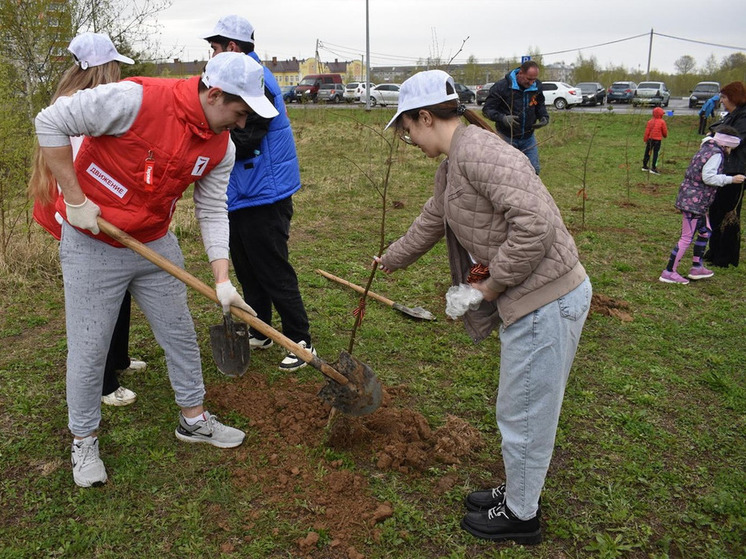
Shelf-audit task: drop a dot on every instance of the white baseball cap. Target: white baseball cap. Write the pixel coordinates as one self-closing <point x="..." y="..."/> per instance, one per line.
<point x="424" y="89"/>
<point x="239" y="74"/>
<point x="95" y="49"/>
<point x="233" y="27"/>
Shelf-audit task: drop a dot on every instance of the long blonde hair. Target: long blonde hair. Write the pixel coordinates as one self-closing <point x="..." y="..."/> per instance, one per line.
<point x="42" y="184"/>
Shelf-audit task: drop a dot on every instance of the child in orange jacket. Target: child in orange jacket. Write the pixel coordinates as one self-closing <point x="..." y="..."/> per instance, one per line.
<point x="655" y="131"/>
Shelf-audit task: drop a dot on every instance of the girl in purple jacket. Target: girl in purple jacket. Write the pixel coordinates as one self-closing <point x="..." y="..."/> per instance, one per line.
<point x="702" y="179"/>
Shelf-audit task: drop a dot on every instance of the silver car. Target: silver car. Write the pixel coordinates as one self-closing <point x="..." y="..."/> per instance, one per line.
<point x="385" y="94"/>
<point x="651" y="93"/>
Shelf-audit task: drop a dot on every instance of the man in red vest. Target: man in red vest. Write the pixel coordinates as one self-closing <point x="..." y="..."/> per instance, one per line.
<point x="147" y="140"/>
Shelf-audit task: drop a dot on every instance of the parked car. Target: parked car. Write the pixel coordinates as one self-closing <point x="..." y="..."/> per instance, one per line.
<point x="330" y="93"/>
<point x="651" y="93"/>
<point x="621" y="92"/>
<point x="702" y="92"/>
<point x="593" y="93"/>
<point x="561" y="94"/>
<point x="482" y="92"/>
<point x="288" y="93"/>
<point x="385" y="94"/>
<point x="360" y="91"/>
<point x="349" y="94"/>
<point x="465" y="95"/>
<point x="308" y="87"/>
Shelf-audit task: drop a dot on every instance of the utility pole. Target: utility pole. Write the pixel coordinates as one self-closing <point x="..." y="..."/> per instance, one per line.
<point x="318" y="62"/>
<point x="367" y="58"/>
<point x="650" y="54"/>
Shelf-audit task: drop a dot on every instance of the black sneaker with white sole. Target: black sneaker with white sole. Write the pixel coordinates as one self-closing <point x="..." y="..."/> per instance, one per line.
<point x="292" y="362"/>
<point x="479" y="501"/>
<point x="256" y="342"/>
<point x="499" y="523"/>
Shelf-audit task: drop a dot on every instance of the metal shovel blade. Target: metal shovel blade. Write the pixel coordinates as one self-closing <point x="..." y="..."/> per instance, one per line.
<point x="230" y="346"/>
<point x="362" y="395"/>
<point x="416" y="312"/>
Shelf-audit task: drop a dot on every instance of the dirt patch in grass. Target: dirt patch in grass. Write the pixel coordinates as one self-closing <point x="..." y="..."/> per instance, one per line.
<point x="285" y="456"/>
<point x="608" y="306"/>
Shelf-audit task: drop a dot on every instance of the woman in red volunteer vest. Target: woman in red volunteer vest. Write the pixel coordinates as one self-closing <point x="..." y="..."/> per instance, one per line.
<point x="147" y="140"/>
<point x="96" y="62"/>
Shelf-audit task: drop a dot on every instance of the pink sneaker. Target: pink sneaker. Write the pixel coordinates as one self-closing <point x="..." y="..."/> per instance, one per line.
<point x="672" y="277"/>
<point x="699" y="272"/>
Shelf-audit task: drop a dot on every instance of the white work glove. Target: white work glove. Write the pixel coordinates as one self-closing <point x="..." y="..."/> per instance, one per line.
<point x="83" y="216"/>
<point x="510" y="120"/>
<point x="227" y="295"/>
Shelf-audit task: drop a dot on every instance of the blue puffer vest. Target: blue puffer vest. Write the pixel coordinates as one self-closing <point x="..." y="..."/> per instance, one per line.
<point x="694" y="195"/>
<point x="273" y="174"/>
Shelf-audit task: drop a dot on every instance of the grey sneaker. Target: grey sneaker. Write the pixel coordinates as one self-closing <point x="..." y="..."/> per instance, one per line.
<point x="292" y="362"/>
<point x="88" y="468"/>
<point x="209" y="431"/>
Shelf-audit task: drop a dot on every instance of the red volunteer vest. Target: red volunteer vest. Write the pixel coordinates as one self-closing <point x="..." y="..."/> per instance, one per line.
<point x="137" y="178"/>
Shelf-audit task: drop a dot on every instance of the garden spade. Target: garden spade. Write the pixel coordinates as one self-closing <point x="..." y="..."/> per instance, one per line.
<point x="352" y="386"/>
<point x="230" y="346"/>
<point x="416" y="312"/>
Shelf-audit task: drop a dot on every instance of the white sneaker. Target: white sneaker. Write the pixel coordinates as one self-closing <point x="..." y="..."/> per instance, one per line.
<point x="88" y="468"/>
<point x="256" y="343"/>
<point x="120" y="397"/>
<point x="136" y="366"/>
<point x="292" y="362"/>
<point x="209" y="431"/>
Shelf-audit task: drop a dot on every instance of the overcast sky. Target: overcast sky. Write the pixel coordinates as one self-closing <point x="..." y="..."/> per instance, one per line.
<point x="403" y="31"/>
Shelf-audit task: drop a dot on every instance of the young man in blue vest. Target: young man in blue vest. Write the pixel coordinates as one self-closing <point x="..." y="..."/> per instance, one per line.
<point x="260" y="204"/>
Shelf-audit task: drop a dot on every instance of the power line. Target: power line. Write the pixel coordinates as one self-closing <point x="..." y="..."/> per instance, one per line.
<point x="594" y="46"/>
<point x="700" y="42"/>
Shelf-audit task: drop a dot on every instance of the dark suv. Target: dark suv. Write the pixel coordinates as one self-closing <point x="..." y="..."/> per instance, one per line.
<point x="465" y="95"/>
<point x="593" y="93"/>
<point x="330" y="93"/>
<point x="621" y="92"/>
<point x="702" y="92"/>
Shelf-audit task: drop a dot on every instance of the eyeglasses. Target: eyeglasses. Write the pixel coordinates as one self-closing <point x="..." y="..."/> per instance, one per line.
<point x="404" y="137"/>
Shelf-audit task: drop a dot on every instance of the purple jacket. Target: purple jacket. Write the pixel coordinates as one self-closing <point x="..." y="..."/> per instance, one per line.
<point x="694" y="195"/>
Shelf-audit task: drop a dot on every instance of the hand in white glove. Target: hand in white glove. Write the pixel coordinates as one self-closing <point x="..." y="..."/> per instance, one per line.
<point x="83" y="216"/>
<point x="227" y="295"/>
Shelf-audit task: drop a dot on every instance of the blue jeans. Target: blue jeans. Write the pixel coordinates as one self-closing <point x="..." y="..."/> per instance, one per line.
<point x="528" y="147"/>
<point x="536" y="355"/>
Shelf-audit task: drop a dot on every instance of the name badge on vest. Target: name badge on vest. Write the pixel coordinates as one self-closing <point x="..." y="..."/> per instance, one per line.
<point x="112" y="185"/>
<point x="200" y="166"/>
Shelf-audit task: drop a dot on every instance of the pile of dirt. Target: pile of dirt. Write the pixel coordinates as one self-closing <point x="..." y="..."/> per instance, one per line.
<point x="290" y="424"/>
<point x="608" y="306"/>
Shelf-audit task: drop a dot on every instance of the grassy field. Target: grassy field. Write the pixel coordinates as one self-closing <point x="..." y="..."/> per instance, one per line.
<point x="651" y="447"/>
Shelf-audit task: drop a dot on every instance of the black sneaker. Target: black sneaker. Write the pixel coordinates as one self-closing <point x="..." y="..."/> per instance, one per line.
<point x="499" y="523"/>
<point x="292" y="362"/>
<point x="479" y="501"/>
<point x="258" y="343"/>
<point x="655" y="171"/>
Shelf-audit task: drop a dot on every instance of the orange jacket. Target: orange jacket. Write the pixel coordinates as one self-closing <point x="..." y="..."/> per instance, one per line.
<point x="656" y="128"/>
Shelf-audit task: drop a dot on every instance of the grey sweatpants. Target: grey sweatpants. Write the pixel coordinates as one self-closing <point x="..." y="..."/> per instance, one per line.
<point x="96" y="276"/>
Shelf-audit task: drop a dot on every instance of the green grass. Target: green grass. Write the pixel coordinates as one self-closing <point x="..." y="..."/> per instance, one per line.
<point x="650" y="453"/>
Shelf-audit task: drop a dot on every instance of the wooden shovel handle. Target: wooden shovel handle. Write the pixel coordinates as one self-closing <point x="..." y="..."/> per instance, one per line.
<point x="357" y="288"/>
<point x="181" y="274"/>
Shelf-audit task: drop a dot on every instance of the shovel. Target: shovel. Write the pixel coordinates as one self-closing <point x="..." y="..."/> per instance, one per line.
<point x="416" y="312"/>
<point x="230" y="346"/>
<point x="352" y="386"/>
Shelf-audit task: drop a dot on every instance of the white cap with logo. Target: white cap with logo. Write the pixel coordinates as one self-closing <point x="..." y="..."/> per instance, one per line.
<point x="95" y="49"/>
<point x="424" y="89"/>
<point x="233" y="27"/>
<point x="239" y="74"/>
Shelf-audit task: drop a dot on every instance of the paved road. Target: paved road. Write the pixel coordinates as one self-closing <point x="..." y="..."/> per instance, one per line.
<point x="677" y="104"/>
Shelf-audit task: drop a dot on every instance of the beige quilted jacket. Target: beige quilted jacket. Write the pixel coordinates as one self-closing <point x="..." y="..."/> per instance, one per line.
<point x="490" y="204"/>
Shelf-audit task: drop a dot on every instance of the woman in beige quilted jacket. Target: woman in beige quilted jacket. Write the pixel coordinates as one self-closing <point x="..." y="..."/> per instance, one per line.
<point x="496" y="214"/>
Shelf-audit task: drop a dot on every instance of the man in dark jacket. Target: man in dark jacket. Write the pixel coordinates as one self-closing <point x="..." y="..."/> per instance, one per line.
<point x="260" y="205"/>
<point x="516" y="104"/>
